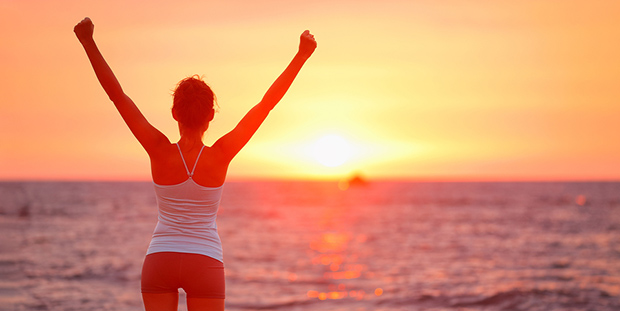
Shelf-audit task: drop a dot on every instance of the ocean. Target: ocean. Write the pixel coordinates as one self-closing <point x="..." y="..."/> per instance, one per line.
<point x="311" y="246"/>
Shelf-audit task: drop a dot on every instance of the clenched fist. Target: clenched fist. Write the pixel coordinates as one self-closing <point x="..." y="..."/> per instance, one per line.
<point x="84" y="29"/>
<point x="307" y="44"/>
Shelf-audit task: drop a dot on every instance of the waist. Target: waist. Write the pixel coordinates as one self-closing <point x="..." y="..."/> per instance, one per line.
<point x="198" y="229"/>
<point x="168" y="223"/>
<point x="205" y="241"/>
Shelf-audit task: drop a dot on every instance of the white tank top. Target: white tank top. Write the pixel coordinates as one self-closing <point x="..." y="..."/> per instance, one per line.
<point x="187" y="214"/>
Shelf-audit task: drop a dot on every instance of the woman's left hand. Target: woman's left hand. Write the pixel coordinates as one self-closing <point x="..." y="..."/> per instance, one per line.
<point x="307" y="44"/>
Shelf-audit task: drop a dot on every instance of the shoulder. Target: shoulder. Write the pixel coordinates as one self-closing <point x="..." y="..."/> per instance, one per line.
<point x="163" y="151"/>
<point x="217" y="153"/>
<point x="211" y="168"/>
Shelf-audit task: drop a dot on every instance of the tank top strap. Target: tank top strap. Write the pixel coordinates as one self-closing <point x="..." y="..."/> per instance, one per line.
<point x="196" y="163"/>
<point x="183" y="159"/>
<point x="190" y="174"/>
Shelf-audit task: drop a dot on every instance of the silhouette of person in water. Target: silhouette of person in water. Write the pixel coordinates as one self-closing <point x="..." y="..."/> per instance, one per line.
<point x="185" y="250"/>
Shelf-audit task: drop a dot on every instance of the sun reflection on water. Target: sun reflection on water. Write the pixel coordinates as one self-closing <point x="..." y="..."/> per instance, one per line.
<point x="331" y="250"/>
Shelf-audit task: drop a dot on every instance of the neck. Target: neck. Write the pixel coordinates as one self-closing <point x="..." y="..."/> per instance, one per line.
<point x="190" y="138"/>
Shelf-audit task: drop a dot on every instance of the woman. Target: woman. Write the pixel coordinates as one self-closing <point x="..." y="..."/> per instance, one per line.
<point x="185" y="250"/>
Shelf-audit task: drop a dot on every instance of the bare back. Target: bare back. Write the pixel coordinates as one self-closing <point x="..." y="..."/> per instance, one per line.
<point x="167" y="166"/>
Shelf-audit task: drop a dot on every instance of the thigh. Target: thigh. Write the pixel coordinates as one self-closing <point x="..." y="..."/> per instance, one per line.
<point x="160" y="273"/>
<point x="199" y="304"/>
<point x="160" y="302"/>
<point x="202" y="277"/>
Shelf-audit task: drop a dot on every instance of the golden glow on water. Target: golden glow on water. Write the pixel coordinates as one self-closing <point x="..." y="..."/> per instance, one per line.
<point x="333" y="250"/>
<point x="581" y="200"/>
<point x="352" y="274"/>
<point x="359" y="294"/>
<point x="332" y="241"/>
<point x="379" y="291"/>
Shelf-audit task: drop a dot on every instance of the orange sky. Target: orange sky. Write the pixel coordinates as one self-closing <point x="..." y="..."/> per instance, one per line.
<point x="497" y="90"/>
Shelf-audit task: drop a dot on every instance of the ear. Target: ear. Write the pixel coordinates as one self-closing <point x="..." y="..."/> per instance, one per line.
<point x="174" y="115"/>
<point x="211" y="115"/>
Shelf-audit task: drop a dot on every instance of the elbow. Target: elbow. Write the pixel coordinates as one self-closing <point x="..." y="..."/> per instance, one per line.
<point x="266" y="105"/>
<point x="116" y="96"/>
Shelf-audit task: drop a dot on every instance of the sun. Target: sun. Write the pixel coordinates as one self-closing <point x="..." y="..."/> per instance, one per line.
<point x="332" y="150"/>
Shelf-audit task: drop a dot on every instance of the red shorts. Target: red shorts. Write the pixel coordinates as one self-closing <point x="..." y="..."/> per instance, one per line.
<point x="200" y="276"/>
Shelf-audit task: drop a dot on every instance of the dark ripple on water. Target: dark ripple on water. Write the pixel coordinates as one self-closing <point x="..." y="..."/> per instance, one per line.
<point x="309" y="246"/>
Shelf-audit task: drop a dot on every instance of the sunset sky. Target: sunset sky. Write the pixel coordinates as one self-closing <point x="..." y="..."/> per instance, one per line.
<point x="440" y="90"/>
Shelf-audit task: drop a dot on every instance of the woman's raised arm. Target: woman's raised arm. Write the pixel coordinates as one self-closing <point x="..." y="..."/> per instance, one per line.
<point x="231" y="143"/>
<point x="149" y="137"/>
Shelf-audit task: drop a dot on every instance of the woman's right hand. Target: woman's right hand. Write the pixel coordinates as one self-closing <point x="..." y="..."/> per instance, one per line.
<point x="307" y="44"/>
<point x="84" y="29"/>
